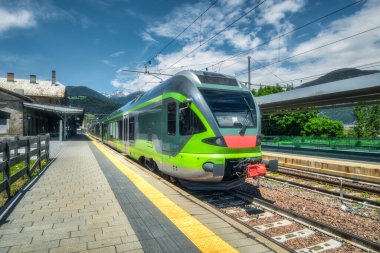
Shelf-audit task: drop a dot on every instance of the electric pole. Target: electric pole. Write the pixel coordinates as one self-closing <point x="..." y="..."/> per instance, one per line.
<point x="249" y="73"/>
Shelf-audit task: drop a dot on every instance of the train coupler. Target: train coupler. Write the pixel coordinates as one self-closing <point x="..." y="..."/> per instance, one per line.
<point x="253" y="167"/>
<point x="256" y="170"/>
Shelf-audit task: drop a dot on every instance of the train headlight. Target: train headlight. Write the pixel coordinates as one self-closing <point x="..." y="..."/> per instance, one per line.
<point x="258" y="141"/>
<point x="216" y="141"/>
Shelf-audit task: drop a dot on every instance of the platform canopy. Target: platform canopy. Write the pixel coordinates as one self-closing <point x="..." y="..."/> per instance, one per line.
<point x="68" y="114"/>
<point x="343" y="93"/>
<point x="59" y="109"/>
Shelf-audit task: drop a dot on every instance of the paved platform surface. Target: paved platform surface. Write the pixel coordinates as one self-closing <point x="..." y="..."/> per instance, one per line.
<point x="84" y="203"/>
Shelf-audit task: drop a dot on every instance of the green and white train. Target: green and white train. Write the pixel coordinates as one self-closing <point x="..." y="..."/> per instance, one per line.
<point x="201" y="128"/>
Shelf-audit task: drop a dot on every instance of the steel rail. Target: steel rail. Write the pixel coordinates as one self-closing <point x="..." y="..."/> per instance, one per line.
<point x="315" y="177"/>
<point x="245" y="225"/>
<point x="346" y="196"/>
<point x="347" y="236"/>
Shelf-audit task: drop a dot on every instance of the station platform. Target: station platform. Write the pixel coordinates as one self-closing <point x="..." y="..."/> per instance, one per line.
<point x="343" y="167"/>
<point x="92" y="199"/>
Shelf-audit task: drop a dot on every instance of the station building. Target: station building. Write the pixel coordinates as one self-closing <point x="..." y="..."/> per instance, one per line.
<point x="32" y="106"/>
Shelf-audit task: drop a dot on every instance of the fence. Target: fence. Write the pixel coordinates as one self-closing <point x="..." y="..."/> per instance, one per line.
<point x="21" y="150"/>
<point x="298" y="142"/>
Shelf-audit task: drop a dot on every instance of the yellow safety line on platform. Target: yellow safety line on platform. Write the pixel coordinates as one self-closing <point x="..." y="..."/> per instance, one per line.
<point x="199" y="234"/>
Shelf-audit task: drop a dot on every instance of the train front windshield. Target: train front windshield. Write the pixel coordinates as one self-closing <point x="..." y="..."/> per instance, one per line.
<point x="231" y="109"/>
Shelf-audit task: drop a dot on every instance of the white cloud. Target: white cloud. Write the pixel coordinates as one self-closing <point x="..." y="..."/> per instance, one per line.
<point x="248" y="34"/>
<point x="147" y="37"/>
<point x="117" y="54"/>
<point x="108" y="63"/>
<point x="16" y="19"/>
<point x="27" y="14"/>
<point x="352" y="52"/>
<point x="274" y="12"/>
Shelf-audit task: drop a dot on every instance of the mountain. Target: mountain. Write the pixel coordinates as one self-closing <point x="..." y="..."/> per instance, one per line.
<point x="339" y="74"/>
<point x="125" y="99"/>
<point x="345" y="115"/>
<point x="122" y="96"/>
<point x="92" y="101"/>
<point x="116" y="93"/>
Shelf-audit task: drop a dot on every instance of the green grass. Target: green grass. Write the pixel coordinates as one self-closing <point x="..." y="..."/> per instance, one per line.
<point x="274" y="174"/>
<point x="364" y="194"/>
<point x="15" y="168"/>
<point x="17" y="185"/>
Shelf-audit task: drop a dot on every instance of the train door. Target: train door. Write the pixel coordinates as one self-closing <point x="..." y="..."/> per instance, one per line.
<point x="125" y="136"/>
<point x="170" y="135"/>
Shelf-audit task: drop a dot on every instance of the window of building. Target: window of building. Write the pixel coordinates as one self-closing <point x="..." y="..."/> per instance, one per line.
<point x="172" y="111"/>
<point x="189" y="123"/>
<point x="3" y="118"/>
<point x="132" y="128"/>
<point x="3" y="121"/>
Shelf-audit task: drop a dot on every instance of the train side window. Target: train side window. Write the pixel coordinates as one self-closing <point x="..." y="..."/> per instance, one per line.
<point x="125" y="128"/>
<point x="172" y="122"/>
<point x="189" y="123"/>
<point x="120" y="123"/>
<point x="132" y="128"/>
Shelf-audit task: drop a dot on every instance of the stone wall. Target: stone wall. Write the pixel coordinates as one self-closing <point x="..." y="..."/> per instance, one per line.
<point x="13" y="106"/>
<point x="48" y="100"/>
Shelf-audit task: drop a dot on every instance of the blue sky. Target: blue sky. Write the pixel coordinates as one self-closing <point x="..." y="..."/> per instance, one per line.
<point x="90" y="42"/>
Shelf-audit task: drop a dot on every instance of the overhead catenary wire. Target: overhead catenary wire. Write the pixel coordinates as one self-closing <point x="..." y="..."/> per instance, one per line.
<point x="183" y="31"/>
<point x="362" y="66"/>
<point x="240" y="54"/>
<point x="216" y="63"/>
<point x="289" y="32"/>
<point x="313" y="49"/>
<point x="219" y="32"/>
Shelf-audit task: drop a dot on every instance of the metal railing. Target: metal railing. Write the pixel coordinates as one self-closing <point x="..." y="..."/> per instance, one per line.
<point x="320" y="143"/>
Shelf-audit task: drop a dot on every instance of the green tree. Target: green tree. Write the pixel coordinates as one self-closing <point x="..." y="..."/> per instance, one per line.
<point x="267" y="90"/>
<point x="282" y="124"/>
<point x="323" y="127"/>
<point x="290" y="124"/>
<point x="367" y="121"/>
<point x="297" y="123"/>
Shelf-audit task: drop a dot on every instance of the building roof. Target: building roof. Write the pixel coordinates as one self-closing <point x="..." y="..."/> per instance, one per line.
<point x="68" y="110"/>
<point x="40" y="89"/>
<point x="333" y="94"/>
<point x="14" y="94"/>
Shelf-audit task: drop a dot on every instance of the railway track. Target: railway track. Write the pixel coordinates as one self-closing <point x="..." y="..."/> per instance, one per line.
<point x="289" y="229"/>
<point x="330" y="192"/>
<point x="332" y="180"/>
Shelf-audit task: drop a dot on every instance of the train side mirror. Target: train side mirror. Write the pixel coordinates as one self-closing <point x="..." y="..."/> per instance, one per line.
<point x="185" y="104"/>
<point x="188" y="101"/>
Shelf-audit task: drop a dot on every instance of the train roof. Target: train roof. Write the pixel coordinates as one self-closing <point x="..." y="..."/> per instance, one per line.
<point x="195" y="77"/>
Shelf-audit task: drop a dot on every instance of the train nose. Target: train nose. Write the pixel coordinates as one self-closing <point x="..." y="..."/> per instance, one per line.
<point x="239" y="141"/>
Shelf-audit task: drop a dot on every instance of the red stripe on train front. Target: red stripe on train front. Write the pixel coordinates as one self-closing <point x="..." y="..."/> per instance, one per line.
<point x="240" y="141"/>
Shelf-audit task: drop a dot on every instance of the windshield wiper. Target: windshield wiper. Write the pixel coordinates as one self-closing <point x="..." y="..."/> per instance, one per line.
<point x="246" y="120"/>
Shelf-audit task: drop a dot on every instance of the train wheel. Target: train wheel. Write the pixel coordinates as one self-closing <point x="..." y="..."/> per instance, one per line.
<point x="150" y="165"/>
<point x="173" y="180"/>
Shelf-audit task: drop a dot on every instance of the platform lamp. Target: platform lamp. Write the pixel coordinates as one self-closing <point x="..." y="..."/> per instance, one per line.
<point x="28" y="117"/>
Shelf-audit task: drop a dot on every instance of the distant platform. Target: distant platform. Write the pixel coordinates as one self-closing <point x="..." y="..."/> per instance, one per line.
<point x="343" y="167"/>
<point x="360" y="156"/>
